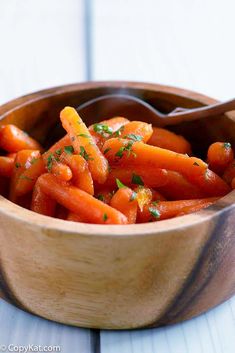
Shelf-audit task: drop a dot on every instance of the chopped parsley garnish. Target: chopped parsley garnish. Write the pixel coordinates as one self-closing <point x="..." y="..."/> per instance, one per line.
<point x="25" y="177"/>
<point x="50" y="162"/>
<point x="84" y="154"/>
<point x="120" y="185"/>
<point x="84" y="135"/>
<point x="133" y="196"/>
<point x="134" y="137"/>
<point x="136" y="179"/>
<point x="227" y="145"/>
<point x="102" y="129"/>
<point x="155" y="202"/>
<point x="154" y="212"/>
<point x="105" y="217"/>
<point x="127" y="148"/>
<point x="119" y="131"/>
<point x="58" y="152"/>
<point x="107" y="150"/>
<point x="195" y="163"/>
<point x="100" y="197"/>
<point x="17" y="165"/>
<point x="69" y="149"/>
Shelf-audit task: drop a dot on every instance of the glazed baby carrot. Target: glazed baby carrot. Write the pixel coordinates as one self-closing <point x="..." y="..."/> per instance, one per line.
<point x="61" y="171"/>
<point x="83" y="144"/>
<point x="136" y="131"/>
<point x="104" y="130"/>
<point x="195" y="208"/>
<point x="6" y="166"/>
<point x="124" y="152"/>
<point x="13" y="139"/>
<point x="137" y="176"/>
<point x="169" y="140"/>
<point x="124" y="200"/>
<point x="79" y="202"/>
<point x="57" y="148"/>
<point x="177" y="187"/>
<point x="42" y="203"/>
<point x="168" y="209"/>
<point x="220" y="155"/>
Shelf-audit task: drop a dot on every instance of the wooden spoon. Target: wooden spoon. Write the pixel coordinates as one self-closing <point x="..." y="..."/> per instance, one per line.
<point x="134" y="108"/>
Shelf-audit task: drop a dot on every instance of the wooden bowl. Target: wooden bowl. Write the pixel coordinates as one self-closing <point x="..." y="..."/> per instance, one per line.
<point x="118" y="277"/>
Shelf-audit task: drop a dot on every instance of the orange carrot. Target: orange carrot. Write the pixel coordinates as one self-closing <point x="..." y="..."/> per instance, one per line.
<point x="229" y="173"/>
<point x="168" y="209"/>
<point x="124" y="200"/>
<point x="210" y="183"/>
<point x="57" y="148"/>
<point x="169" y="140"/>
<point x="219" y="155"/>
<point x="137" y="175"/>
<point x="177" y="187"/>
<point x="11" y="155"/>
<point x="61" y="171"/>
<point x="136" y="131"/>
<point x="104" y="130"/>
<point x="13" y="139"/>
<point x="42" y="203"/>
<point x="6" y="166"/>
<point x="83" y="144"/>
<point x="79" y="202"/>
<point x="195" y="208"/>
<point x="124" y="152"/>
<point x="28" y="166"/>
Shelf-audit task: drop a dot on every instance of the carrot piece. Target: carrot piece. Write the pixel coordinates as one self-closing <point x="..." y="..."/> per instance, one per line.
<point x="103" y="130"/>
<point x="195" y="208"/>
<point x="83" y="144"/>
<point x="151" y="177"/>
<point x="229" y="173"/>
<point x="27" y="168"/>
<point x="81" y="175"/>
<point x="42" y="203"/>
<point x="136" y="130"/>
<point x="219" y="155"/>
<point x="13" y="139"/>
<point x="210" y="183"/>
<point x="72" y="217"/>
<point x="61" y="171"/>
<point x="124" y="200"/>
<point x="124" y="152"/>
<point x="177" y="187"/>
<point x="168" y="209"/>
<point x="169" y="140"/>
<point x="6" y="166"/>
<point x="79" y="202"/>
<point x="57" y="147"/>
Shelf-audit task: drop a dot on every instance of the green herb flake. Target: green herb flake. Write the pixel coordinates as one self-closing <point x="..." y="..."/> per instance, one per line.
<point x="84" y="135"/>
<point x="69" y="149"/>
<point x="154" y="212"/>
<point x="135" y="138"/>
<point x="195" y="163"/>
<point x="119" y="131"/>
<point x="102" y="129"/>
<point x="155" y="202"/>
<point x="100" y="197"/>
<point x="133" y="196"/>
<point x="127" y="148"/>
<point x="120" y="185"/>
<point x="84" y="154"/>
<point x="136" y="179"/>
<point x="49" y="162"/>
<point x="105" y="217"/>
<point x="17" y="165"/>
<point x="107" y="150"/>
<point x="227" y="145"/>
<point x="120" y="152"/>
<point x="58" y="152"/>
<point x="25" y="177"/>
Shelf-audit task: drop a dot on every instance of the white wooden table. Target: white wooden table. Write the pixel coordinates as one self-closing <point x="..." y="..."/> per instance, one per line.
<point x="187" y="43"/>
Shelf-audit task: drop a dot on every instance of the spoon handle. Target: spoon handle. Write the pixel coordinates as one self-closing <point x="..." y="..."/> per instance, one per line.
<point x="199" y="113"/>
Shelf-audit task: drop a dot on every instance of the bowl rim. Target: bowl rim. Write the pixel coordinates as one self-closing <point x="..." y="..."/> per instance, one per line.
<point x="11" y="210"/>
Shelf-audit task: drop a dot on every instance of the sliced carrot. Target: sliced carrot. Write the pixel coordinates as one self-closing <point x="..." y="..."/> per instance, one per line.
<point x="210" y="183"/>
<point x="28" y="166"/>
<point x="219" y="155"/>
<point x="177" y="187"/>
<point x="229" y="173"/>
<point x="13" y="139"/>
<point x="137" y="176"/>
<point x="124" y="200"/>
<point x="195" y="208"/>
<point x="136" y="131"/>
<point x="124" y="152"/>
<point x="79" y="202"/>
<point x="72" y="217"/>
<point x="169" y="140"/>
<point x="168" y="209"/>
<point x="83" y="144"/>
<point x="6" y="166"/>
<point x="104" y="129"/>
<point x="42" y="203"/>
<point x="61" y="171"/>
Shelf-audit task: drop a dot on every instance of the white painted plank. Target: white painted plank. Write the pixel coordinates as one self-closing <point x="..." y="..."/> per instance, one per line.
<point x="213" y="332"/>
<point x="22" y="329"/>
<point x="180" y="43"/>
<point x="41" y="45"/>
